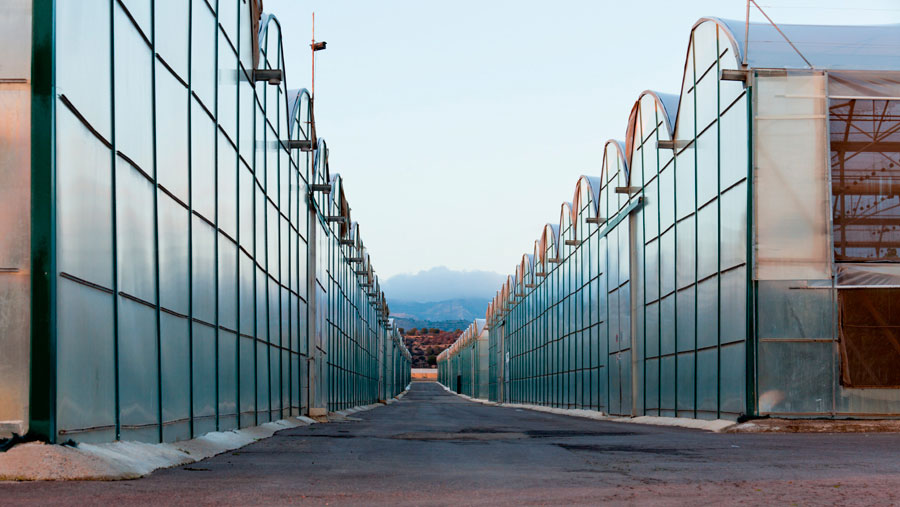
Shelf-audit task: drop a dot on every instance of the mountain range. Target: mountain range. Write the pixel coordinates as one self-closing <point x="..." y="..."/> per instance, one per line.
<point x="441" y="284"/>
<point x="440" y="297"/>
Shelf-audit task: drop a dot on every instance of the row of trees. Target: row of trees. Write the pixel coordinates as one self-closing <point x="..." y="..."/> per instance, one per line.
<point x="424" y="330"/>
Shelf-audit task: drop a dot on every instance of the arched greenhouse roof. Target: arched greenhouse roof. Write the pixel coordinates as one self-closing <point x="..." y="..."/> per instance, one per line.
<point x="870" y="47"/>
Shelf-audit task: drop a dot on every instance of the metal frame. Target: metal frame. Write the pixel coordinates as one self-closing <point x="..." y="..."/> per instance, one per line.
<point x="273" y="194"/>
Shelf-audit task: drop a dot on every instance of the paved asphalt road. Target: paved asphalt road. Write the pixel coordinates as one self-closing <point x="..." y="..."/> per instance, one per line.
<point x="436" y="448"/>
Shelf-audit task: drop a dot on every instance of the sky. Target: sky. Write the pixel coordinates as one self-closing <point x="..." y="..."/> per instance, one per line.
<point x="460" y="127"/>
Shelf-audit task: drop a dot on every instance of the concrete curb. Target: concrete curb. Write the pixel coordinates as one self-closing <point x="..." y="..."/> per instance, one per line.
<point x="817" y="426"/>
<point x="715" y="426"/>
<point x="37" y="461"/>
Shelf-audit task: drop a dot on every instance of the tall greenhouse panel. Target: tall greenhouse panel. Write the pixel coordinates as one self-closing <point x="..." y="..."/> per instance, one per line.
<point x="736" y="255"/>
<point x="180" y="258"/>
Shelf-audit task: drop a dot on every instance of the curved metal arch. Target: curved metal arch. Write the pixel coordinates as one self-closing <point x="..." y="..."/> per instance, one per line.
<point x="737" y="51"/>
<point x="665" y="102"/>
<point x="565" y="212"/>
<point x="511" y="288"/>
<point x="337" y="200"/>
<point x="295" y="120"/>
<point x="354" y="235"/>
<point x="520" y="276"/>
<point x="526" y="264"/>
<point x="620" y="150"/>
<point x="480" y="324"/>
<point x="736" y="46"/>
<point x="594" y="184"/>
<point x="554" y="236"/>
<point x="320" y="163"/>
<point x="262" y="37"/>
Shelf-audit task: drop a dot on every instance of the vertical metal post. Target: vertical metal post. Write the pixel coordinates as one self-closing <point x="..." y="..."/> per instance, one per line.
<point x="153" y="102"/>
<point x="696" y="225"/>
<point x="190" y="224"/>
<point x="42" y="397"/>
<point x="237" y="235"/>
<point x="746" y="36"/>
<point x="658" y="218"/>
<point x="751" y="341"/>
<point x="216" y="220"/>
<point x="115" y="247"/>
<point x="718" y="231"/>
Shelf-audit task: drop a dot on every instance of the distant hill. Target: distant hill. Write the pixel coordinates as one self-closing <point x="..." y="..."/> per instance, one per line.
<point x="440" y="298"/>
<point x="443" y="325"/>
<point x="451" y="309"/>
<point x="445" y="315"/>
<point x="442" y="284"/>
<point x="423" y="344"/>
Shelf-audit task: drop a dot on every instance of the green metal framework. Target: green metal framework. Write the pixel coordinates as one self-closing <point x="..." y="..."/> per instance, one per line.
<point x="634" y="302"/>
<point x="702" y="273"/>
<point x="171" y="224"/>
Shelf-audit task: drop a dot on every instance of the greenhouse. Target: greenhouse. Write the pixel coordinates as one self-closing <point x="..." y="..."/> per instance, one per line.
<point x="176" y="256"/>
<point x="463" y="366"/>
<point x="736" y="254"/>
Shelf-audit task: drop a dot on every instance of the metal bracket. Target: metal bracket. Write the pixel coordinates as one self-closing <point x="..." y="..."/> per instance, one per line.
<point x="355" y="259"/>
<point x="348" y="242"/>
<point x="338" y="218"/>
<point x="597" y="220"/>
<point x="573" y="242"/>
<point x="300" y="144"/>
<point x="671" y="144"/>
<point x="735" y="75"/>
<point x="320" y="187"/>
<point x="628" y="190"/>
<point x="273" y="76"/>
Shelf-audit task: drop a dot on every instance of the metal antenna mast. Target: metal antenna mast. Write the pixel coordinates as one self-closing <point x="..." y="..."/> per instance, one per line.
<point x="312" y="48"/>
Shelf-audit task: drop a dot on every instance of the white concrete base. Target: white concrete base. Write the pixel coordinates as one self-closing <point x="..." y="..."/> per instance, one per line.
<point x="126" y="460"/>
<point x="7" y="428"/>
<point x="37" y="461"/>
<point x="717" y="425"/>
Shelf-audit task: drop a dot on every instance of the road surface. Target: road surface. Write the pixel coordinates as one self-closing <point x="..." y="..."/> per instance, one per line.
<point x="434" y="448"/>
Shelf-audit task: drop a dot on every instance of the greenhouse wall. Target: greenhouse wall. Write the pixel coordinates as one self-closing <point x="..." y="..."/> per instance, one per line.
<point x="464" y="366"/>
<point x="736" y="254"/>
<point x="495" y="363"/>
<point x="634" y="301"/>
<point x="189" y="276"/>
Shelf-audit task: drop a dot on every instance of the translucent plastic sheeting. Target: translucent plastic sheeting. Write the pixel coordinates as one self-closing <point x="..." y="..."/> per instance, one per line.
<point x="15" y="213"/>
<point x="792" y="240"/>
<point x="864" y="121"/>
<point x="861" y="84"/>
<point x="867" y="275"/>
<point x="825" y="47"/>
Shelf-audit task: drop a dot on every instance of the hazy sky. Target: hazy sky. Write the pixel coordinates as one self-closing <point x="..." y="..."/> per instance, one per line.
<point x="461" y="126"/>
